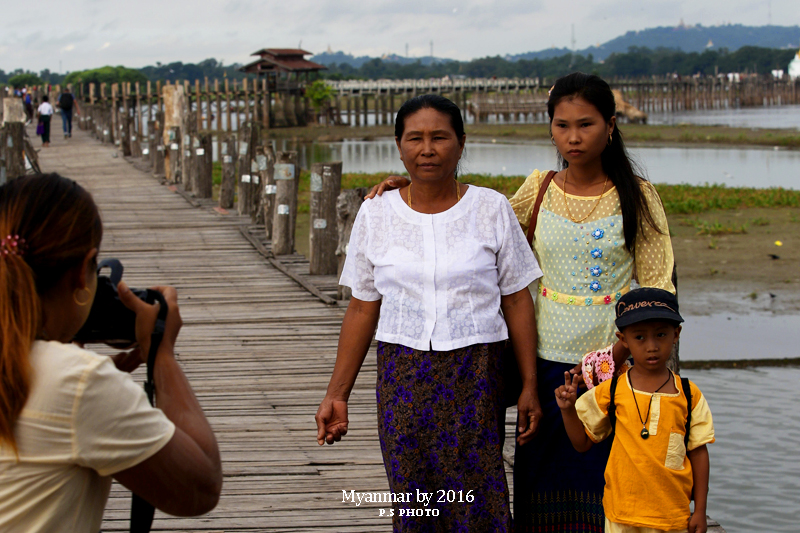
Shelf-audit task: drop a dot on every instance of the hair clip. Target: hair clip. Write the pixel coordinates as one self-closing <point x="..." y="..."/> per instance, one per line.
<point x="551" y="90"/>
<point x="12" y="244"/>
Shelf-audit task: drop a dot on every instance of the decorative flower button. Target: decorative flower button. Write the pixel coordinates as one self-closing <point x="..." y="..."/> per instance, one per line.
<point x="598" y="233"/>
<point x="554" y="296"/>
<point x="588" y="301"/>
<point x="618" y="295"/>
<point x="575" y="257"/>
<point x="597" y="253"/>
<point x="612" y="224"/>
<point x="544" y="291"/>
<point x="574" y="288"/>
<point x="607" y="299"/>
<point x="576" y="239"/>
<point x="595" y="286"/>
<point x="595" y="271"/>
<point x="571" y="299"/>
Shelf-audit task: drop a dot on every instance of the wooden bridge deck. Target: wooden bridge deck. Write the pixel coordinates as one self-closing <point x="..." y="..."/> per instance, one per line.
<point x="257" y="347"/>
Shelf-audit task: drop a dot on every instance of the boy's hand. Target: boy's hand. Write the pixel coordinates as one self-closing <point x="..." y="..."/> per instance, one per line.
<point x="698" y="523"/>
<point x="567" y="394"/>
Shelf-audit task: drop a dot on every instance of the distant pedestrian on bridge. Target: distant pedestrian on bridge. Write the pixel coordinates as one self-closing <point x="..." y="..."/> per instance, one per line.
<point x="45" y="116"/>
<point x="67" y="103"/>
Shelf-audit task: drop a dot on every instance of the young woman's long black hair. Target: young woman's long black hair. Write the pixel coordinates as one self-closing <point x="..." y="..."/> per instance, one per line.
<point x="615" y="160"/>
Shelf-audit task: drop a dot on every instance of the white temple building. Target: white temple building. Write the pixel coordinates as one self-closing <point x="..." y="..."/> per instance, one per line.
<point x="794" y="66"/>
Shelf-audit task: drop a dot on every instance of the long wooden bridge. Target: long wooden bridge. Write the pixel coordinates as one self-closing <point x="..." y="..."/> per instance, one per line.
<point x="257" y="347"/>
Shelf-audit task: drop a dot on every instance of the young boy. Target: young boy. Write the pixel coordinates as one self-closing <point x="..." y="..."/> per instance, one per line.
<point x="649" y="476"/>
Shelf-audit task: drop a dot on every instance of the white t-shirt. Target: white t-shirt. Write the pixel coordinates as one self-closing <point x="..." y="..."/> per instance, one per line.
<point x="45" y="108"/>
<point x="83" y="421"/>
<point x="440" y="277"/>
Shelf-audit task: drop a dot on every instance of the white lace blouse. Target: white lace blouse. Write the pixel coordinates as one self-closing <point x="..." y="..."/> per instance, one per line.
<point x="440" y="277"/>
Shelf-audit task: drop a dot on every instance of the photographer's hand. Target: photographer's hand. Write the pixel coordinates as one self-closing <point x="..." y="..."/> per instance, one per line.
<point x="184" y="478"/>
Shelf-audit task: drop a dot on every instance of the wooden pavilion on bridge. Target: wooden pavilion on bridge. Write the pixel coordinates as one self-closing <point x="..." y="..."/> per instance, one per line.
<point x="285" y="72"/>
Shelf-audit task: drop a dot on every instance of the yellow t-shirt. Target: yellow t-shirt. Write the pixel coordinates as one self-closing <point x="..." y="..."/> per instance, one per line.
<point x="648" y="482"/>
<point x="84" y="421"/>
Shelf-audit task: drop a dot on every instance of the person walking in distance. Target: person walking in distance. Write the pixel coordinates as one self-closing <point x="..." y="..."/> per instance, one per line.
<point x="66" y="103"/>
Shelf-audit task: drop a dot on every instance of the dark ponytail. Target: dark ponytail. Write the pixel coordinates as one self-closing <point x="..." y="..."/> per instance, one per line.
<point x="617" y="164"/>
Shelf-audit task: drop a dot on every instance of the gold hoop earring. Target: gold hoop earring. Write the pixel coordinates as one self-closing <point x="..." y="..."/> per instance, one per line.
<point x="88" y="296"/>
<point x="553" y="140"/>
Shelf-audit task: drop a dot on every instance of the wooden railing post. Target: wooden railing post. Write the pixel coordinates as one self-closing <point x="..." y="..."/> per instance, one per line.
<point x="174" y="155"/>
<point x="244" y="200"/>
<point x="268" y="190"/>
<point x="326" y="183"/>
<point x="286" y="175"/>
<point x="203" y="181"/>
<point x="347" y="205"/>
<point x="158" y="145"/>
<point x="227" y="156"/>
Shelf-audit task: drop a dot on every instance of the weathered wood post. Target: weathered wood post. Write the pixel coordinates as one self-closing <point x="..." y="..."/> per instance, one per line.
<point x="13" y="148"/>
<point x="124" y="133"/>
<point x="268" y="190"/>
<point x="286" y="175"/>
<point x="149" y="150"/>
<point x="263" y="164"/>
<point x="347" y="205"/>
<point x="244" y="200"/>
<point x="203" y="183"/>
<point x="228" y="170"/>
<point x="326" y="183"/>
<point x="173" y="155"/>
<point x="188" y="134"/>
<point x="173" y="97"/>
<point x="158" y="143"/>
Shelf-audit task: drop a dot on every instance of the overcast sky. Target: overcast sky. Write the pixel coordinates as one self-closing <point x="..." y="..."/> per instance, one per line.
<point x="81" y="34"/>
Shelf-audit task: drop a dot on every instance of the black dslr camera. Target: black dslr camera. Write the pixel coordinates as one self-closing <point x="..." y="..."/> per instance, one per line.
<point x="109" y="321"/>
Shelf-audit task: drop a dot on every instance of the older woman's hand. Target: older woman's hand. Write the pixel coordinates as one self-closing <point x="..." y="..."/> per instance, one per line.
<point x="390" y="183"/>
<point x="529" y="414"/>
<point x="331" y="421"/>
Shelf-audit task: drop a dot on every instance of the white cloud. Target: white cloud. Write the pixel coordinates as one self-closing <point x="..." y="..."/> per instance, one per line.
<point x="68" y="48"/>
<point x="105" y="45"/>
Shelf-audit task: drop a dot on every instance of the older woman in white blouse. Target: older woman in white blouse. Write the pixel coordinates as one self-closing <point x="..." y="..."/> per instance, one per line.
<point x="442" y="270"/>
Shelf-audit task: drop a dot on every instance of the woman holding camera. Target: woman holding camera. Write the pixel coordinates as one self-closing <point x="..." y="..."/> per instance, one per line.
<point x="69" y="418"/>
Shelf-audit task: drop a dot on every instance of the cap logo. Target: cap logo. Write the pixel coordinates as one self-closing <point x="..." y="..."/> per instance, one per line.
<point x="622" y="308"/>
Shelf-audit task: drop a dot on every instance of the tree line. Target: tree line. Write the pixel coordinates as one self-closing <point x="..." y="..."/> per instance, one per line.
<point x="636" y="62"/>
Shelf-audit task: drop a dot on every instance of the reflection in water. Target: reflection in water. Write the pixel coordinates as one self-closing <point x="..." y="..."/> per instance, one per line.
<point x="755" y="474"/>
<point x="735" y="167"/>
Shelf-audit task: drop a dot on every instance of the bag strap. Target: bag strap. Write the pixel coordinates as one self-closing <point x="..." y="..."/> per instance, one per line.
<point x="612" y="406"/>
<point x="538" y="204"/>
<point x="687" y="391"/>
<point x="141" y="511"/>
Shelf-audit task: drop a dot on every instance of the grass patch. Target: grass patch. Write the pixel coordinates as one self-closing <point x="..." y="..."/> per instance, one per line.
<point x="704" y="227"/>
<point x="690" y="199"/>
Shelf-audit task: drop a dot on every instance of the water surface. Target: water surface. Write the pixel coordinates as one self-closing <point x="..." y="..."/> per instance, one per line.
<point x="755" y="474"/>
<point x="735" y="167"/>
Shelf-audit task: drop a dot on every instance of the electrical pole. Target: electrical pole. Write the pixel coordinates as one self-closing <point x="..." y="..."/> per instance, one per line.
<point x="431" y="51"/>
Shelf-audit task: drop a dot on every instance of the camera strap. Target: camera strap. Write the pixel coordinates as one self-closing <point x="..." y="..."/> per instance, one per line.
<point x="141" y="511"/>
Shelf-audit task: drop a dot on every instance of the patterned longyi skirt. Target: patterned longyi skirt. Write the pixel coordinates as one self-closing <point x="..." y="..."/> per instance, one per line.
<point x="441" y="427"/>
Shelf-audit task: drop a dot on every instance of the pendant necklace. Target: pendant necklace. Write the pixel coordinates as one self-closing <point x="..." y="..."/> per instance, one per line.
<point x="458" y="192"/>
<point x="645" y="433"/>
<point x="566" y="204"/>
